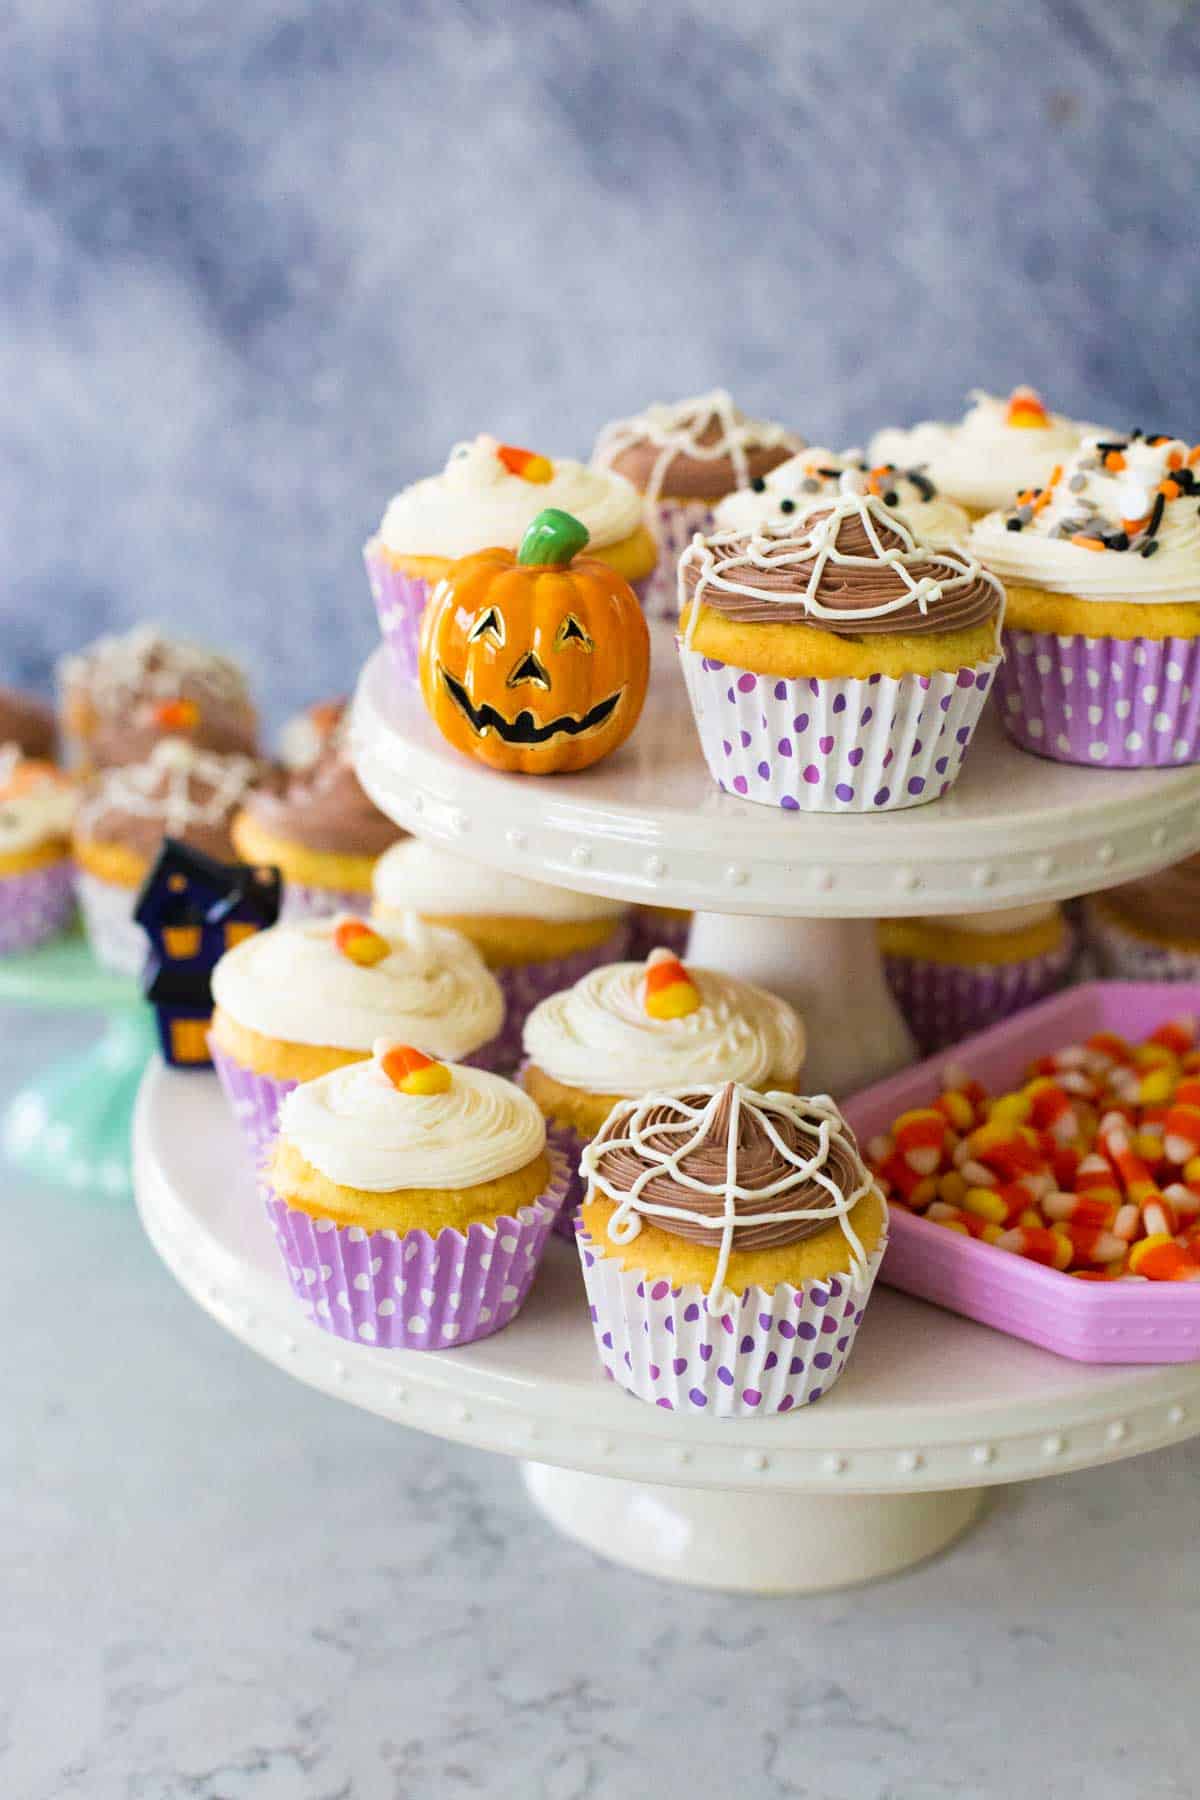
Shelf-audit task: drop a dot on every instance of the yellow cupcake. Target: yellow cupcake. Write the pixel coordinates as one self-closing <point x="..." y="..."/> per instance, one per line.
<point x="403" y="1209"/>
<point x="1010" y="936"/>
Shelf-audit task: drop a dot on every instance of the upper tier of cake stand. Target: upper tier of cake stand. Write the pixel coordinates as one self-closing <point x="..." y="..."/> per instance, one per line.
<point x="648" y="824"/>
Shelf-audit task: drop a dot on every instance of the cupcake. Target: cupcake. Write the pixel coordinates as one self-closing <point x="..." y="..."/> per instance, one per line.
<point x="1102" y="567"/>
<point x="318" y="828"/>
<point x="684" y="458"/>
<point x="180" y="792"/>
<point x="833" y="662"/>
<point x="955" y="975"/>
<point x="122" y="695"/>
<point x="729" y="1242"/>
<point x="485" y="498"/>
<point x="997" y="448"/>
<point x="28" y="723"/>
<point x="1148" y="930"/>
<point x="411" y="1200"/>
<point x="301" y="1000"/>
<point x="37" y="805"/>
<point x="796" y="484"/>
<point x="632" y="1028"/>
<point x="535" y="938"/>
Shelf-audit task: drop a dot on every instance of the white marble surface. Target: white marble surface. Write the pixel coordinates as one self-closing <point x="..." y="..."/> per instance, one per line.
<point x="218" y="1585"/>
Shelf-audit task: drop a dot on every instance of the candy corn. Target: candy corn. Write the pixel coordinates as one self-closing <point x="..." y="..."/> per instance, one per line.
<point x="359" y="943"/>
<point x="670" y="992"/>
<point x="411" y="1072"/>
<point x="525" y="463"/>
<point x="176" y="715"/>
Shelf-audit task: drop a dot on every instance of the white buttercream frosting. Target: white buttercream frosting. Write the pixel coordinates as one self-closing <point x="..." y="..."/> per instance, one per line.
<point x="415" y="876"/>
<point x="432" y="989"/>
<point x="598" y="1035"/>
<point x="477" y="503"/>
<point x="982" y="461"/>
<point x="1091" y="498"/>
<point x="795" y="484"/>
<point x="37" y="804"/>
<point x="357" y="1129"/>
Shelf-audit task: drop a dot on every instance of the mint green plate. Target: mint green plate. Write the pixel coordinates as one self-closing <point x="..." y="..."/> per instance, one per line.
<point x="69" y="1125"/>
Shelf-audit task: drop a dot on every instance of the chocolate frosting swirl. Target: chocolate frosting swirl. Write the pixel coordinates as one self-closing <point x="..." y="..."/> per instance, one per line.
<point x="26" y="722"/>
<point x="323" y="805"/>
<point x="686" y="477"/>
<point x="851" y="568"/>
<point x="697" y="449"/>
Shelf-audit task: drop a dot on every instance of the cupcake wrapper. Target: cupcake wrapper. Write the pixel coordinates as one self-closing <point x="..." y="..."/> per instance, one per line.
<point x="840" y="746"/>
<point x="674" y="524"/>
<point x="254" y="1100"/>
<point x="773" y="1352"/>
<point x="399" y="602"/>
<point x="526" y="985"/>
<point x="650" y="933"/>
<point x="414" y="1292"/>
<point x="568" y="1144"/>
<point x="1107" y="703"/>
<point x="35" y="905"/>
<point x="116" y="938"/>
<point x="943" y="1003"/>
<point x="1124" y="956"/>
<point x="301" y="900"/>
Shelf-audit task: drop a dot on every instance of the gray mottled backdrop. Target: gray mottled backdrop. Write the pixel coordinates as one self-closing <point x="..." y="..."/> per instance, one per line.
<point x="261" y="262"/>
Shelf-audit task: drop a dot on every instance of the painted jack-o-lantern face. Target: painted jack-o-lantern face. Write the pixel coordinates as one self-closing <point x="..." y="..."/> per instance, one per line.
<point x="538" y="661"/>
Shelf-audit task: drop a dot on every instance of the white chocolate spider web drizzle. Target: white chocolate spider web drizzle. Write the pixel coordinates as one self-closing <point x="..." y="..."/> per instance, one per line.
<point x="812" y="544"/>
<point x="635" y="1122"/>
<point x="144" y="660"/>
<point x="676" y="429"/>
<point x="162" y="787"/>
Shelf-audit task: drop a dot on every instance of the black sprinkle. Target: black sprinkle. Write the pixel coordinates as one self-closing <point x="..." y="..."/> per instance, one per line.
<point x="1013" y="525"/>
<point x="1150" y="548"/>
<point x="1186" y="479"/>
<point x="787" y="506"/>
<point x="759" y="485"/>
<point x="1139" y="433"/>
<point x="891" y="498"/>
<point x="1116" y="540"/>
<point x="1156" y="513"/>
<point x="922" y="484"/>
<point x="1121" y="444"/>
<point x="830" y="474"/>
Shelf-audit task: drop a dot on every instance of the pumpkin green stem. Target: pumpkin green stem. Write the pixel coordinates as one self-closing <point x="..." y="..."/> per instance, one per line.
<point x="553" y="538"/>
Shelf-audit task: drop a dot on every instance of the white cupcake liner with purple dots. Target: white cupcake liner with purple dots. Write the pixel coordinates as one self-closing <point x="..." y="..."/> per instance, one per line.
<point x="674" y="524"/>
<point x="771" y="1353"/>
<point x="35" y="904"/>
<point x="843" y="745"/>
<point x="114" y="936"/>
<point x="1125" y="956"/>
<point x="1106" y="703"/>
<point x="526" y="985"/>
<point x="943" y="1003"/>
<point x="411" y="1291"/>
<point x="254" y="1100"/>
<point x="304" y="900"/>
<point x="399" y="603"/>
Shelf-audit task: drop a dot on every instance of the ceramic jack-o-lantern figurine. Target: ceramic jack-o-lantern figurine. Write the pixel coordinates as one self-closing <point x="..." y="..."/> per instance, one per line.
<point x="536" y="662"/>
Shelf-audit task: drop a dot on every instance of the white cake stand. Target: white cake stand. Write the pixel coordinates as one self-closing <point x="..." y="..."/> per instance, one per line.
<point x="932" y="1409"/>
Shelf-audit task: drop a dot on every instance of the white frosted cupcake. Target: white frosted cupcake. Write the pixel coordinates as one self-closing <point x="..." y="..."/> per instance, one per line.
<point x="957" y="974"/>
<point x="535" y="937"/>
<point x="302" y="999"/>
<point x="908" y="494"/>
<point x="997" y="448"/>
<point x="37" y="806"/>
<point x="486" y="497"/>
<point x="629" y="1028"/>
<point x="684" y="457"/>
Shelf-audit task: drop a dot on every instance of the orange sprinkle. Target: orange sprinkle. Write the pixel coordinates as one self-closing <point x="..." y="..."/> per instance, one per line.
<point x="1088" y="543"/>
<point x="1171" y="490"/>
<point x="1114" y="461"/>
<point x="177" y="715"/>
<point x="1193" y="456"/>
<point x="1133" y="526"/>
<point x="1175" y="459"/>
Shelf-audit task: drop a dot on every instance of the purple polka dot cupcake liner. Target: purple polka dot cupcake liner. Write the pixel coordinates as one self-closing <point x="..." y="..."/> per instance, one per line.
<point x="1124" y="956"/>
<point x="769" y="1353"/>
<point x="834" y="746"/>
<point x="1107" y="703"/>
<point x="409" y="1290"/>
<point x="304" y="900"/>
<point x="674" y="524"/>
<point x="526" y="985"/>
<point x="399" y="603"/>
<point x="254" y="1100"/>
<point x="35" y="904"/>
<point x="655" y="928"/>
<point x="943" y="1003"/>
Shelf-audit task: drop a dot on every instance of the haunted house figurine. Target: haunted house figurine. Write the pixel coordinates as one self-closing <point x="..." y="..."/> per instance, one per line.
<point x="194" y="908"/>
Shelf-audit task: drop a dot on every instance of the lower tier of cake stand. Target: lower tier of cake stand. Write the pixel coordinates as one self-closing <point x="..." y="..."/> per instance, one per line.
<point x="886" y="1469"/>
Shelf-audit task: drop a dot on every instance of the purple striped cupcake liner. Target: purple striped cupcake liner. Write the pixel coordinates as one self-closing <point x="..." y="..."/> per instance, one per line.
<point x="943" y="1003"/>
<point x="526" y="985"/>
<point x="305" y="900"/>
<point x="674" y="524"/>
<point x="769" y="1353"/>
<point x="411" y="1291"/>
<point x="834" y="745"/>
<point x="399" y="603"/>
<point x="1124" y="956"/>
<point x="568" y="1144"/>
<point x="654" y="928"/>
<point x="35" y="904"/>
<point x="1108" y="703"/>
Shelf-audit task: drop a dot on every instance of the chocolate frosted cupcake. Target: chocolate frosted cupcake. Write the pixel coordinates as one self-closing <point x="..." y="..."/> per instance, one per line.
<point x="796" y="484"/>
<point x="1148" y="930"/>
<point x="319" y="829"/>
<point x="957" y="974"/>
<point x="28" y="723"/>
<point x="121" y="695"/>
<point x="685" y="458"/>
<point x="729" y="1242"/>
<point x="178" y="791"/>
<point x="834" y="663"/>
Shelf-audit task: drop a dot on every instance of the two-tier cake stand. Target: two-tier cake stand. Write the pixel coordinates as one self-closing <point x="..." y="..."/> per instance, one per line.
<point x="932" y="1409"/>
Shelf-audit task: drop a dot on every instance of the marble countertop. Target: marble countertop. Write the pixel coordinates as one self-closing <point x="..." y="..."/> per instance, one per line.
<point x="219" y="1585"/>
